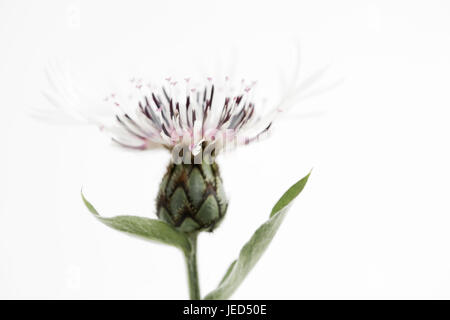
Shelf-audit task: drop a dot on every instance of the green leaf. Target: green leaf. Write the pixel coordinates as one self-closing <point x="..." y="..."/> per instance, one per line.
<point x="289" y="195"/>
<point x="148" y="229"/>
<point x="255" y="247"/>
<point x="230" y="268"/>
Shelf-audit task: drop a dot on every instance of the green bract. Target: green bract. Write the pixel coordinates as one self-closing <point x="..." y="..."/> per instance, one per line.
<point x="191" y="197"/>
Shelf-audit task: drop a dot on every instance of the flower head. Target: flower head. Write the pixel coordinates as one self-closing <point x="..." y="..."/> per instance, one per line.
<point x="187" y="114"/>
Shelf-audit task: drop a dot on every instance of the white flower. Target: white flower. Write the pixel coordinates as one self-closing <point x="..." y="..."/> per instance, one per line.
<point x="191" y="113"/>
<point x="185" y="112"/>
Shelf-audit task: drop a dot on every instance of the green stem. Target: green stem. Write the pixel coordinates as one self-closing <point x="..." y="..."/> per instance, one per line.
<point x="191" y="263"/>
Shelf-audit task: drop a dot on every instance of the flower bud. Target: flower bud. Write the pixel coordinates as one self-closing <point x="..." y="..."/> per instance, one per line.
<point x="191" y="197"/>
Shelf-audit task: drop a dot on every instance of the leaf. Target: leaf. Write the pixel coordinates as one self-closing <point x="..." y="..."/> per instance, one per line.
<point x="230" y="268"/>
<point x="255" y="247"/>
<point x="289" y="195"/>
<point x="148" y="229"/>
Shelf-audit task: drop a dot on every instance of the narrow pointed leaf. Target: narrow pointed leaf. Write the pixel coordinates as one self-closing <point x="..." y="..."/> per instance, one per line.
<point x="255" y="247"/>
<point x="230" y="268"/>
<point x="289" y="195"/>
<point x="148" y="229"/>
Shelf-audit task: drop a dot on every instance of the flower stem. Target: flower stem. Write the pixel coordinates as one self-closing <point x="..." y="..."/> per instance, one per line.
<point x="191" y="263"/>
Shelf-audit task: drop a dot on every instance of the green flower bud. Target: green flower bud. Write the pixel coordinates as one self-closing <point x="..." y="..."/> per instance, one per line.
<point x="191" y="197"/>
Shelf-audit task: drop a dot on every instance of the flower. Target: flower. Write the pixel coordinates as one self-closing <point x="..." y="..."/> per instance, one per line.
<point x="186" y="113"/>
<point x="201" y="116"/>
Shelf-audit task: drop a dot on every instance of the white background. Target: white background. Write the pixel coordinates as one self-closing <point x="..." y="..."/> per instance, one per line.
<point x="374" y="219"/>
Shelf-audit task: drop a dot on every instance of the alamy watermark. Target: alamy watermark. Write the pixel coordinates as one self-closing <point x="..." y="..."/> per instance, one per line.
<point x="206" y="151"/>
